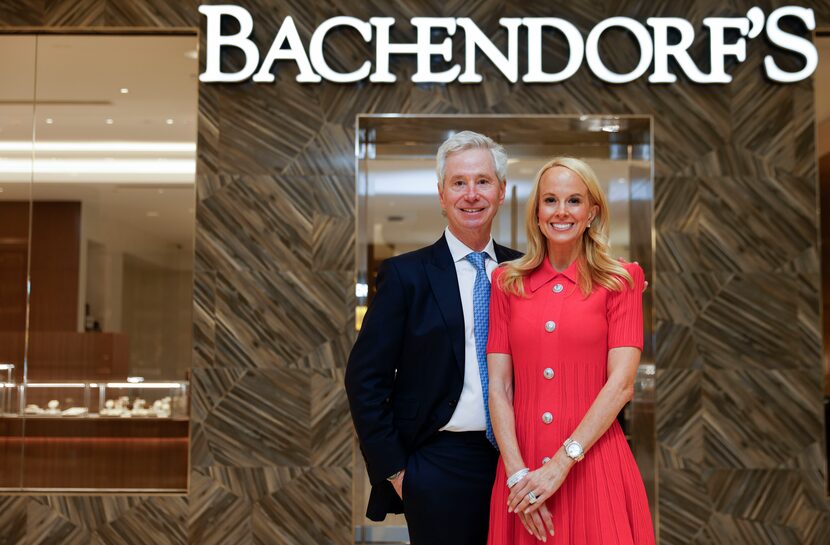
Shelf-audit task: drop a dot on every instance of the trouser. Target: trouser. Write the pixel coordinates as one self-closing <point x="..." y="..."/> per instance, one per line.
<point x="446" y="489"/>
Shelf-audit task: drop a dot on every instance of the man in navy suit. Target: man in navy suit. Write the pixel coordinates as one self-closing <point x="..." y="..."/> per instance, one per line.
<point x="415" y="381"/>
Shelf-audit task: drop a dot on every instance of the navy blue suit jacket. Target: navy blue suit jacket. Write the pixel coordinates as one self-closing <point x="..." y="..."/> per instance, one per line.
<point x="406" y="370"/>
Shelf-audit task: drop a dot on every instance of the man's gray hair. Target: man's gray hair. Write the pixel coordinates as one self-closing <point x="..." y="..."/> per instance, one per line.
<point x="465" y="140"/>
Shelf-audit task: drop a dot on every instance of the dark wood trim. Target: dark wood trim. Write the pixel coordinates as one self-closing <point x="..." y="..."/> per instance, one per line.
<point x="102" y="31"/>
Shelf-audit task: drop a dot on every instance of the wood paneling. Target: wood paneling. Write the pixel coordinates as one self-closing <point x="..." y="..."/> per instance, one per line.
<point x="96" y="452"/>
<point x="56" y="235"/>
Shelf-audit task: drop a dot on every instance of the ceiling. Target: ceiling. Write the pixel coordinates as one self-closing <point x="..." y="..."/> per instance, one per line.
<point x="114" y="125"/>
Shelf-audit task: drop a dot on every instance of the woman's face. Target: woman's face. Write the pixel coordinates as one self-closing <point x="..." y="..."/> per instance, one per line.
<point x="564" y="209"/>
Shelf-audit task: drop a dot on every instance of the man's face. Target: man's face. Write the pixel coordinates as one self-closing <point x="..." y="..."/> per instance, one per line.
<point x="471" y="192"/>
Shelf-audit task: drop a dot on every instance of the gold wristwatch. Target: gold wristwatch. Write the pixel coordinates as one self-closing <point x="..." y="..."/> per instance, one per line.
<point x="574" y="450"/>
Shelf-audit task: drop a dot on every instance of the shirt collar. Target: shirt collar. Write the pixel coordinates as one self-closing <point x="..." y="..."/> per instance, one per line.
<point x="459" y="250"/>
<point x="545" y="272"/>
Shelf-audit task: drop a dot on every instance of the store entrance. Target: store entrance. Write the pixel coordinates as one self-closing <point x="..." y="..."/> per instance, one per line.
<point x="398" y="211"/>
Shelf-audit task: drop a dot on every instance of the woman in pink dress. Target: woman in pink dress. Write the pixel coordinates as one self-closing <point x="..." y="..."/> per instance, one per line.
<point x="565" y="338"/>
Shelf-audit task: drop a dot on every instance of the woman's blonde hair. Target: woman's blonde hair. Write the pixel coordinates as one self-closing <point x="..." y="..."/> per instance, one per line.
<point x="594" y="264"/>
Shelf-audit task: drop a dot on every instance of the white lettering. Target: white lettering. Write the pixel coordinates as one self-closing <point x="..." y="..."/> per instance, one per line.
<point x="295" y="52"/>
<point x="318" y="59"/>
<point x="314" y="67"/>
<point x="788" y="41"/>
<point x="423" y="49"/>
<point x="215" y="41"/>
<point x="719" y="49"/>
<point x="475" y="38"/>
<point x="592" y="50"/>
<point x="662" y="50"/>
<point x="576" y="45"/>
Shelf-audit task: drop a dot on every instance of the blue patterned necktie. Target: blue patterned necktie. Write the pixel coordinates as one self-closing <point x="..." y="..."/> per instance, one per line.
<point x="481" y="321"/>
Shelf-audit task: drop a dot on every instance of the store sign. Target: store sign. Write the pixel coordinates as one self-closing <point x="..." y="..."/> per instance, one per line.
<point x="653" y="40"/>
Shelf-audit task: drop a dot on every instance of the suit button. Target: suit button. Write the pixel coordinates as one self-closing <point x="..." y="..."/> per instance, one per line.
<point x="547" y="418"/>
<point x="452" y="403"/>
<point x="548" y="373"/>
<point x="550" y="325"/>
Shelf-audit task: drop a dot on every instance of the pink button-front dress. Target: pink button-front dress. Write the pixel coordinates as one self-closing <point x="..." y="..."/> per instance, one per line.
<point x="559" y="342"/>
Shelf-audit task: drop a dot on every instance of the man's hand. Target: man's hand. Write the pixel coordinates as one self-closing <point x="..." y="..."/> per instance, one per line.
<point x="397" y="483"/>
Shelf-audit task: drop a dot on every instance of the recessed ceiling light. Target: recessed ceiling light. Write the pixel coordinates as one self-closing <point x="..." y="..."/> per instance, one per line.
<point x="109" y="121"/>
<point x="192" y="54"/>
<point x="49" y="120"/>
<point x="1" y="189"/>
<point x="124" y="90"/>
<point x="169" y="121"/>
<point x="152" y="214"/>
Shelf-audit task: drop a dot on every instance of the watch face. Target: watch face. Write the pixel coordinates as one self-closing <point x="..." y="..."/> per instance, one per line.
<point x="573" y="450"/>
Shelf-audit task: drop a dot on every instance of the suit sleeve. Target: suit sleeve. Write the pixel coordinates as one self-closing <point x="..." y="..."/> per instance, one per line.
<point x="497" y="338"/>
<point x="625" y="311"/>
<point x="370" y="376"/>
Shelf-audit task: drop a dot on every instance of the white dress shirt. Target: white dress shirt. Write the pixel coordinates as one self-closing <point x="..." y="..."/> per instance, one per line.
<point x="469" y="413"/>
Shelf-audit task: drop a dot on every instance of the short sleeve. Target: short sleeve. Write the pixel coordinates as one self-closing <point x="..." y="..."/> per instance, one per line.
<point x="625" y="311"/>
<point x="498" y="341"/>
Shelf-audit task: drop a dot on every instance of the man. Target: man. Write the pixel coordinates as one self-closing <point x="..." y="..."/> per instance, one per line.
<point x="417" y="376"/>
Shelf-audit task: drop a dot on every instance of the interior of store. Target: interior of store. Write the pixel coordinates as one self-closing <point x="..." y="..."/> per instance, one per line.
<point x="97" y="222"/>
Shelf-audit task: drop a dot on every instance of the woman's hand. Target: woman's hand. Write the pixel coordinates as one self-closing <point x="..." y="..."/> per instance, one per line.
<point x="538" y="523"/>
<point x="543" y="483"/>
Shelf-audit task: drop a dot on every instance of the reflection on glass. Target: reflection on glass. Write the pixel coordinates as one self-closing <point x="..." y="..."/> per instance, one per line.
<point x="17" y="91"/>
<point x="398" y="211"/>
<point x="110" y="159"/>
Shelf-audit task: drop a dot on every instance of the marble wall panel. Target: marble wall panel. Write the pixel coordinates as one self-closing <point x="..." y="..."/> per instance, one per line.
<point x="12" y="520"/>
<point x="736" y="284"/>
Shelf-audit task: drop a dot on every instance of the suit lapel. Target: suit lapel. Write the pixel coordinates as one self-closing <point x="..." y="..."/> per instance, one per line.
<point x="444" y="283"/>
<point x="502" y="253"/>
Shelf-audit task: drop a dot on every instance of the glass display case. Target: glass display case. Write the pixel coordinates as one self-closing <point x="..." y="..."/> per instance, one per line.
<point x="95" y="400"/>
<point x="118" y="436"/>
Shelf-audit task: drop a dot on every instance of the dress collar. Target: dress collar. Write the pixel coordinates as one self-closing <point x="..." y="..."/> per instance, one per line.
<point x="545" y="272"/>
<point x="459" y="250"/>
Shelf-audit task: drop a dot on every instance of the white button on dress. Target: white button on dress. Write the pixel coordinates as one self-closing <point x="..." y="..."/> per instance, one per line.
<point x="550" y="325"/>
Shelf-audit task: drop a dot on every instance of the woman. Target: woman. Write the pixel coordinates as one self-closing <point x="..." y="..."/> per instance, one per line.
<point x="564" y="344"/>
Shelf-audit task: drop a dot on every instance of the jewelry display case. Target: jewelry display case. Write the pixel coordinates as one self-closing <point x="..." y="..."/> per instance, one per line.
<point x="96" y="400"/>
<point x="117" y="436"/>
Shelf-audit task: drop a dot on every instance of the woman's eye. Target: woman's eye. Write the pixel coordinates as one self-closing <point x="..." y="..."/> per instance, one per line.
<point x="550" y="200"/>
<point x="575" y="201"/>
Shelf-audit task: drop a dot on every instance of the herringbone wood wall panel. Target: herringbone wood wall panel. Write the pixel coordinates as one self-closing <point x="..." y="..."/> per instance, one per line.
<point x="736" y="284"/>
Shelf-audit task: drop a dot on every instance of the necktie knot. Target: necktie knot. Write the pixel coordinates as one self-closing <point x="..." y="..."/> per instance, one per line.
<point x="477" y="259"/>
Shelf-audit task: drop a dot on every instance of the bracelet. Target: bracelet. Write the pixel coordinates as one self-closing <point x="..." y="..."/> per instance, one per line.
<point x="514" y="479"/>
